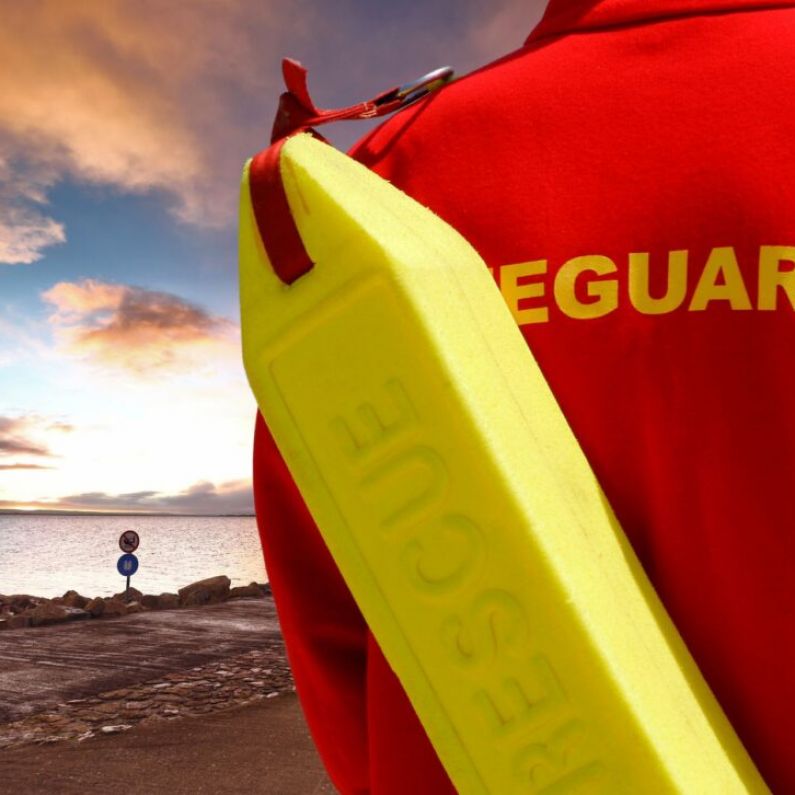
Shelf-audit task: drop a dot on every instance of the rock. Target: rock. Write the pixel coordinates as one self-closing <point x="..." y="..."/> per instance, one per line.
<point x="168" y="601"/>
<point x="123" y="693"/>
<point x="3" y="624"/>
<point x="134" y="595"/>
<point x="150" y="602"/>
<point x="76" y="614"/>
<point x="74" y="599"/>
<point x="250" y="590"/>
<point x="46" y="613"/>
<point x="17" y="622"/>
<point x="115" y="729"/>
<point x="96" y="607"/>
<point x="22" y="601"/>
<point x="137" y="706"/>
<point x="110" y="708"/>
<point x="209" y="591"/>
<point x="134" y="607"/>
<point x="114" y="607"/>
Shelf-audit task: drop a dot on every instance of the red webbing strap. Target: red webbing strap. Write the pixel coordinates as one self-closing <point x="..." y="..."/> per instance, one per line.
<point x="297" y="113"/>
<point x="275" y="223"/>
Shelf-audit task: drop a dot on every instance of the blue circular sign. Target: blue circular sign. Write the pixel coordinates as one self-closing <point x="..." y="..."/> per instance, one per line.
<point x="127" y="565"/>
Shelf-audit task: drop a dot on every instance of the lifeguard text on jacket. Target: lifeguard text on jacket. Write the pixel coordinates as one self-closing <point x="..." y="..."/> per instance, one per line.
<point x="594" y="285"/>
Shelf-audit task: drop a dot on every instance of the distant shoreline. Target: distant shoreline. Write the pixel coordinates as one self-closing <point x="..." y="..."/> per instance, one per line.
<point x="45" y="512"/>
<point x="46" y="554"/>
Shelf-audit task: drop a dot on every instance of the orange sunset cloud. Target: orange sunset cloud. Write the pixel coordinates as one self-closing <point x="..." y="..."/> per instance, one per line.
<point x="130" y="95"/>
<point x="138" y="330"/>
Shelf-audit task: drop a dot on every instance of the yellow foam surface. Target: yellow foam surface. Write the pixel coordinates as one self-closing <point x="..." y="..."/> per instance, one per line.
<point x="460" y="509"/>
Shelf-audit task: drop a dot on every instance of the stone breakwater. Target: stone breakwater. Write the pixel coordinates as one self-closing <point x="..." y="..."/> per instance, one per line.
<point x="20" y="611"/>
<point x="220" y="685"/>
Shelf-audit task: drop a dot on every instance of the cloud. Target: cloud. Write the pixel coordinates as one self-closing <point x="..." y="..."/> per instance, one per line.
<point x="11" y="446"/>
<point x="113" y="90"/>
<point x="25" y="232"/>
<point x="5" y="467"/>
<point x="140" y="97"/>
<point x="203" y="498"/>
<point x="130" y="328"/>
<point x="16" y="439"/>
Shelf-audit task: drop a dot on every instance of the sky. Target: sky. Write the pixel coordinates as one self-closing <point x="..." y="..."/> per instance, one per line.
<point x="124" y="127"/>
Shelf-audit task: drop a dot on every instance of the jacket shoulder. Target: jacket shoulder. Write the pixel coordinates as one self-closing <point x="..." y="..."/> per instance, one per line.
<point x="460" y="108"/>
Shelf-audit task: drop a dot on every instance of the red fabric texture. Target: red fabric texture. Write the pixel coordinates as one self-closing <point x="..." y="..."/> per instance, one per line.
<point x="637" y="136"/>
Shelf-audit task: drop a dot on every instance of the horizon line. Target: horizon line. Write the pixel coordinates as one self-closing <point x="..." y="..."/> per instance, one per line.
<point x="77" y="512"/>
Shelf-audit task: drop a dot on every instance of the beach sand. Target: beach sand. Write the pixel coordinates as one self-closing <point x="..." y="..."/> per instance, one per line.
<point x="181" y="701"/>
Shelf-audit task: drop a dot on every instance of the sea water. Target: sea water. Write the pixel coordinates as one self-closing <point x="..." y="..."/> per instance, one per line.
<point x="46" y="555"/>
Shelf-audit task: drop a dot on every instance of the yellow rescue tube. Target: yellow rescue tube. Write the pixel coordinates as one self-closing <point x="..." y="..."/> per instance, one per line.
<point x="460" y="509"/>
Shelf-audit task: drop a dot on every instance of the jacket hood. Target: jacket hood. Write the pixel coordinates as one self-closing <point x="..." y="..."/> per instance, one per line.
<point x="570" y="16"/>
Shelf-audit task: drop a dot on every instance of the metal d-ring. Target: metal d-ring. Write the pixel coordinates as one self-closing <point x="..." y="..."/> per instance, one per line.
<point x="417" y="89"/>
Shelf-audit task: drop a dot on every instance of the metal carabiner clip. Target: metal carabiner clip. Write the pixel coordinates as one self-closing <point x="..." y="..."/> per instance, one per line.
<point x="409" y="93"/>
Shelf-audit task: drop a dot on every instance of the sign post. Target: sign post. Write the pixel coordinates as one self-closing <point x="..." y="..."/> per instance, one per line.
<point x="127" y="564"/>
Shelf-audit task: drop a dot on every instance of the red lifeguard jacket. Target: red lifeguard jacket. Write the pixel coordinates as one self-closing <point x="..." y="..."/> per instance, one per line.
<point x="629" y="177"/>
